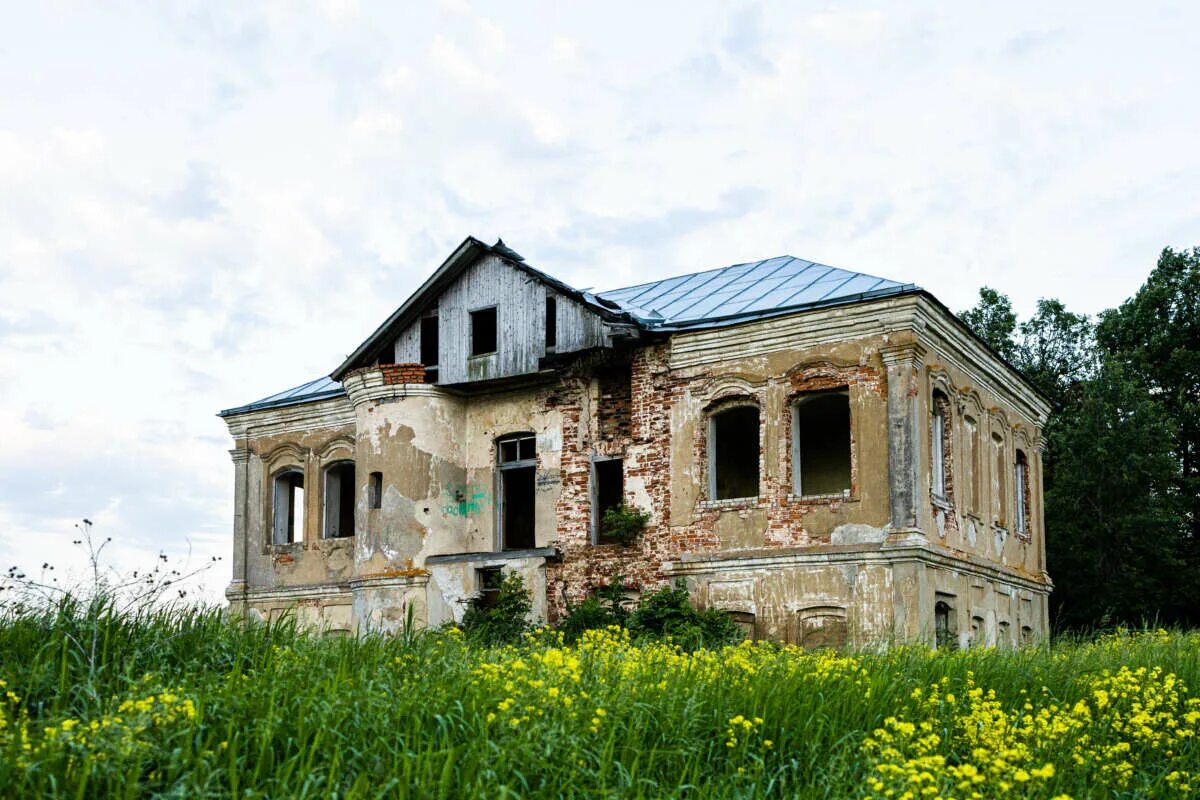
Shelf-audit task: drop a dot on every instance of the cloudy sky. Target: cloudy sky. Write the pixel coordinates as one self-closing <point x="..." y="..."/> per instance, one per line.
<point x="200" y="205"/>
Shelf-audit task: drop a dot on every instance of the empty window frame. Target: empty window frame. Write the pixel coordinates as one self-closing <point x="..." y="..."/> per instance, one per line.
<point x="733" y="453"/>
<point x="608" y="491"/>
<point x="945" y="633"/>
<point x="517" y="466"/>
<point x="483" y="331"/>
<point x="821" y="449"/>
<point x="339" y="500"/>
<point x="430" y="347"/>
<point x="375" y="490"/>
<point x="288" y="507"/>
<point x="1021" y="491"/>
<point x="940" y="446"/>
<point x="823" y="627"/>
<point x="551" y="323"/>
<point x="388" y="356"/>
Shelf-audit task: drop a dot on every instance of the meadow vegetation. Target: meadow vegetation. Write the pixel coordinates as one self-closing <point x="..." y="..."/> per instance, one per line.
<point x="182" y="703"/>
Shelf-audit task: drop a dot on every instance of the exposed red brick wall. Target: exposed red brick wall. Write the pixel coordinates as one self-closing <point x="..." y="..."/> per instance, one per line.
<point x="403" y="373"/>
<point x="642" y="434"/>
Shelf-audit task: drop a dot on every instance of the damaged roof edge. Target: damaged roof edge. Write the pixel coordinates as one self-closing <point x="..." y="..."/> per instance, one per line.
<point x="463" y="256"/>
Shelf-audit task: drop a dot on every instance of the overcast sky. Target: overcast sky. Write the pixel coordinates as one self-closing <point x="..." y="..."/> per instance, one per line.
<point x="202" y="206"/>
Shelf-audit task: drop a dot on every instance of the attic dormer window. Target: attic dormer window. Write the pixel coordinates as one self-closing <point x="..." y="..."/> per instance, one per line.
<point x="551" y="323"/>
<point x="483" y="331"/>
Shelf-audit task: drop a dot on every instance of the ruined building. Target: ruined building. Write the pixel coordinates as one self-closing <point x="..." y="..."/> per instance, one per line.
<point x="831" y="457"/>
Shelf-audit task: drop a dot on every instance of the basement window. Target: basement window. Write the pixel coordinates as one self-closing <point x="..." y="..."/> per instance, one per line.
<point x="821" y="450"/>
<point x="518" y="469"/>
<point x="551" y="323"/>
<point x="483" y="331"/>
<point x="608" y="491"/>
<point x="288" y="507"/>
<point x="375" y="489"/>
<point x="733" y="453"/>
<point x="429" y="348"/>
<point x="339" y="500"/>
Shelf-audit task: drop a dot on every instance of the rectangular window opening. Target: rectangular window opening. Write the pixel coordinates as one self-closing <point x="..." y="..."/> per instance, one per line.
<point x="517" y="457"/>
<point x="288" y="508"/>
<point x="375" y="490"/>
<point x="483" y="331"/>
<point x="734" y="453"/>
<point x="429" y="347"/>
<point x="608" y="492"/>
<point x="488" y="580"/>
<point x="551" y="323"/>
<point x="822" y="449"/>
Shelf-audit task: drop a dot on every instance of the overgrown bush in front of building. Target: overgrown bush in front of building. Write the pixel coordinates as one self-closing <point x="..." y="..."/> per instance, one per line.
<point x="504" y="621"/>
<point x="623" y="523"/>
<point x="602" y="608"/>
<point x="669" y="612"/>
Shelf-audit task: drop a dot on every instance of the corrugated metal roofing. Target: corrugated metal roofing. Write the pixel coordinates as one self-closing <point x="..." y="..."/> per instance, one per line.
<point x="715" y="297"/>
<point x="319" y="389"/>
<point x="746" y="291"/>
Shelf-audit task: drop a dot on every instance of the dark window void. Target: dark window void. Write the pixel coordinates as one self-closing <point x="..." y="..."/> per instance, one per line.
<point x="488" y="580"/>
<point x="744" y="620"/>
<point x="609" y="493"/>
<point x="375" y="489"/>
<point x="943" y="623"/>
<point x="734" y="453"/>
<point x="823" y="444"/>
<point x="288" y="507"/>
<point x="483" y="331"/>
<point x="551" y="323"/>
<point x="388" y="356"/>
<point x="518" y="470"/>
<point x="339" y="500"/>
<point x="940" y="447"/>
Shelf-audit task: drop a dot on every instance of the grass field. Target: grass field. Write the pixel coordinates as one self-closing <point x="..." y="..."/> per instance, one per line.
<point x="182" y="704"/>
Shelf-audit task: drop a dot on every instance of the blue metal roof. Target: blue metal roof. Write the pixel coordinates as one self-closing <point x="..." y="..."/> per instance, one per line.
<point x="723" y="296"/>
<point x="319" y="389"/>
<point x="747" y="291"/>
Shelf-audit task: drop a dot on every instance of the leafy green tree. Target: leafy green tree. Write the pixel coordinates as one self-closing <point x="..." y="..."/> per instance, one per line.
<point x="994" y="320"/>
<point x="1112" y="528"/>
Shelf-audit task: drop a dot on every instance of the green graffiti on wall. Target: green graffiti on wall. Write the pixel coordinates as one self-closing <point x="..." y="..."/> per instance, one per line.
<point x="465" y="499"/>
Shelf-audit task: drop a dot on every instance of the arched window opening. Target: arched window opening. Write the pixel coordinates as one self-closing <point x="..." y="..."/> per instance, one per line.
<point x="941" y="447"/>
<point x="972" y="456"/>
<point x="339" y="500"/>
<point x="517" y="464"/>
<point x="999" y="472"/>
<point x="821" y="450"/>
<point x="943" y="623"/>
<point x="1021" y="489"/>
<point x="733" y="453"/>
<point x="288" y="507"/>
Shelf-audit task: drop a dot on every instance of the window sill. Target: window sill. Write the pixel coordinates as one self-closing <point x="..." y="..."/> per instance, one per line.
<point x="289" y="547"/>
<point x="732" y="504"/>
<point x="801" y="499"/>
<point x="944" y="503"/>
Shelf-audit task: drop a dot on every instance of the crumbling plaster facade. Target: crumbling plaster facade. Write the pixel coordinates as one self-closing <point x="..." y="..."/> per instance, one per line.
<point x="889" y="559"/>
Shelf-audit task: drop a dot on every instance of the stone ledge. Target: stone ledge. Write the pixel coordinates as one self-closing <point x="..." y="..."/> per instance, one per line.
<point x="495" y="555"/>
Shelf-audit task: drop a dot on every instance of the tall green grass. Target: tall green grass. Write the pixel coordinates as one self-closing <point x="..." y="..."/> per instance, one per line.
<point x="215" y="709"/>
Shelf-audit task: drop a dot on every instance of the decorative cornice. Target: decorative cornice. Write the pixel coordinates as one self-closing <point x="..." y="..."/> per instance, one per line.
<point x="904" y="354"/>
<point x="240" y="455"/>
<point x="333" y="413"/>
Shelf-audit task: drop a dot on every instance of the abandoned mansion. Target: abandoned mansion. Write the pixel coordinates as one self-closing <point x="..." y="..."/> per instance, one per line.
<point x="829" y="456"/>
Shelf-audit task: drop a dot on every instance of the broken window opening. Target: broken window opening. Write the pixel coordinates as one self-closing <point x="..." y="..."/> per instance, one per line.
<point x="823" y="627"/>
<point x="288" y="510"/>
<point x="488" y="580"/>
<point x="429" y="348"/>
<point x="608" y="491"/>
<point x="339" y="500"/>
<point x="551" y="323"/>
<point x="375" y="489"/>
<point x="733" y="453"/>
<point x="517" y="460"/>
<point x="1021" y="489"/>
<point x="940" y="466"/>
<point x="483" y="331"/>
<point x="745" y="621"/>
<point x="821" y="454"/>
<point x="388" y="356"/>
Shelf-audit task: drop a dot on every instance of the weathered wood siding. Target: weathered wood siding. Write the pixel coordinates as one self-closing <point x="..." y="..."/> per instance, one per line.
<point x="520" y="301"/>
